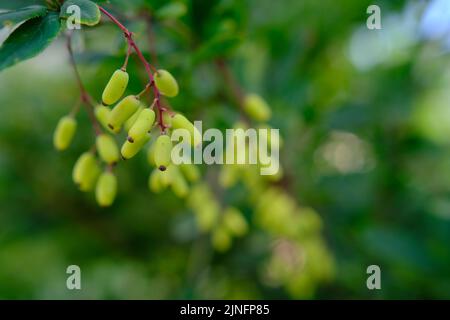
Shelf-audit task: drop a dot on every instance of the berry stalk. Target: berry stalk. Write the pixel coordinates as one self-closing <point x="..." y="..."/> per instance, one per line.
<point x="148" y="67"/>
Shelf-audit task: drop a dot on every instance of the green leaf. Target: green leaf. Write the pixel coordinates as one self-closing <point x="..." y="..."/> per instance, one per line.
<point x="13" y="17"/>
<point x="29" y="39"/>
<point x="90" y="13"/>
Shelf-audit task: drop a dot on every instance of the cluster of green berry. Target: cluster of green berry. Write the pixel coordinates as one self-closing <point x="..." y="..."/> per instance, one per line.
<point x="133" y="116"/>
<point x="308" y="261"/>
<point x="226" y="223"/>
<point x="223" y="223"/>
<point x="257" y="109"/>
<point x="299" y="251"/>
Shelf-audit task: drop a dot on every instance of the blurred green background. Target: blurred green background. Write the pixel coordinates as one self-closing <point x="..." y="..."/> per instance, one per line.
<point x="365" y="119"/>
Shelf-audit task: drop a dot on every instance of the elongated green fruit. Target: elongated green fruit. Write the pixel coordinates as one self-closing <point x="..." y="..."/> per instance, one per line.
<point x="102" y="115"/>
<point x="64" y="132"/>
<point x="234" y="221"/>
<point x="166" y="83"/>
<point x="107" y="148"/>
<point x="163" y="149"/>
<point x="115" y="87"/>
<point x="190" y="171"/>
<point x="179" y="186"/>
<point x="154" y="181"/>
<point x="181" y="122"/>
<point x="142" y="126"/>
<point x="221" y="239"/>
<point x="131" y="120"/>
<point x="129" y="150"/>
<point x="165" y="176"/>
<point x="106" y="189"/>
<point x="86" y="171"/>
<point x="257" y="108"/>
<point x="122" y="111"/>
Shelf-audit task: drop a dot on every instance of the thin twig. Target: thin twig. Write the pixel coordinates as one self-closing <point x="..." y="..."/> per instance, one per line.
<point x="85" y="98"/>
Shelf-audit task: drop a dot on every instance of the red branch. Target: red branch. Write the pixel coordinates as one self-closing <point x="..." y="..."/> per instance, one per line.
<point x="148" y="67"/>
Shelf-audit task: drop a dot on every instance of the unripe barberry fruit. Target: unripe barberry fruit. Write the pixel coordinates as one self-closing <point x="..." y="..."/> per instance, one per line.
<point x="115" y="88"/>
<point x="86" y="171"/>
<point x="142" y="126"/>
<point x="190" y="171"/>
<point x="166" y="83"/>
<point x="102" y="114"/>
<point x="179" y="186"/>
<point x="154" y="182"/>
<point x="64" y="132"/>
<point x="106" y="189"/>
<point x="107" y="148"/>
<point x="234" y="221"/>
<point x="122" y="111"/>
<point x="257" y="108"/>
<point x="221" y="239"/>
<point x="131" y="120"/>
<point x="165" y="177"/>
<point x="129" y="150"/>
<point x="181" y="122"/>
<point x="163" y="150"/>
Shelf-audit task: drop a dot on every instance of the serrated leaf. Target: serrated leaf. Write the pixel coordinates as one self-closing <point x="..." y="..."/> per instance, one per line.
<point x="90" y="13"/>
<point x="29" y="39"/>
<point x="13" y="17"/>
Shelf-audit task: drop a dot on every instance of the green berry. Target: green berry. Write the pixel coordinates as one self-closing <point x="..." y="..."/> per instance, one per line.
<point x="107" y="148"/>
<point x="142" y="125"/>
<point x="190" y="171"/>
<point x="106" y="189"/>
<point x="221" y="239"/>
<point x="64" y="132"/>
<point x="234" y="221"/>
<point x="257" y="108"/>
<point x="181" y="122"/>
<point x="163" y="149"/>
<point x="102" y="114"/>
<point x="154" y="182"/>
<point x="129" y="150"/>
<point x="131" y="120"/>
<point x="115" y="88"/>
<point x="123" y="111"/>
<point x="179" y="186"/>
<point x="86" y="171"/>
<point x="165" y="176"/>
<point x="166" y="83"/>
